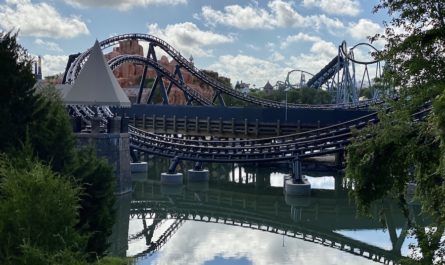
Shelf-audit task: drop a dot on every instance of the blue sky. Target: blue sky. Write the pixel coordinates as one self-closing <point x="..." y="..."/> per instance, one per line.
<point x="253" y="41"/>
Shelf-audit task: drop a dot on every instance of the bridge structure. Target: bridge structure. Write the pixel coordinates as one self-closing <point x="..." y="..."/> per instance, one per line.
<point x="293" y="146"/>
<point x="265" y="210"/>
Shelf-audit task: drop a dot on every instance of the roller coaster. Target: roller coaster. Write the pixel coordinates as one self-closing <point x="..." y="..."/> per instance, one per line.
<point x="338" y="76"/>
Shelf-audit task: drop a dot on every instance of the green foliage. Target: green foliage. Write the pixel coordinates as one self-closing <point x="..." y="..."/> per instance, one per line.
<point x="365" y="92"/>
<point x="36" y="256"/>
<point x="39" y="120"/>
<point x="430" y="250"/>
<point x="38" y="211"/>
<point x="114" y="261"/>
<point x="39" y="116"/>
<point x="96" y="211"/>
<point x="401" y="148"/>
<point x="52" y="135"/>
<point x="19" y="105"/>
<point x="297" y="96"/>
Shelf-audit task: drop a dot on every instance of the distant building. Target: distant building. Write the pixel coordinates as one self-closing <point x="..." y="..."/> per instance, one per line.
<point x="268" y="88"/>
<point x="242" y="87"/>
<point x="38" y="68"/>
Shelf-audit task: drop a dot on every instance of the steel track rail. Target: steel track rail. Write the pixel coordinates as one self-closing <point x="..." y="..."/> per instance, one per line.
<point x="165" y="73"/>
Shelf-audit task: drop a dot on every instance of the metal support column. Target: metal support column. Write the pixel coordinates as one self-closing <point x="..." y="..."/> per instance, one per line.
<point x="296" y="169"/>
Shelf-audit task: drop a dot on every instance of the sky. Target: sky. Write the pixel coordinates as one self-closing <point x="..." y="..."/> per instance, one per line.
<point x="249" y="41"/>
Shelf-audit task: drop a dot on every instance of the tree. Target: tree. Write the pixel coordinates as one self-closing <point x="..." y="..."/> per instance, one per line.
<point x="97" y="199"/>
<point x="404" y="148"/>
<point x="19" y="104"/>
<point x="38" y="212"/>
<point x="39" y="120"/>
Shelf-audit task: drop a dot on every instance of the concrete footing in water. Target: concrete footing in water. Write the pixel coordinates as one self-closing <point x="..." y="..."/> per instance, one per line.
<point x="139" y="167"/>
<point x="198" y="175"/>
<point x="301" y="187"/>
<point x="171" y="179"/>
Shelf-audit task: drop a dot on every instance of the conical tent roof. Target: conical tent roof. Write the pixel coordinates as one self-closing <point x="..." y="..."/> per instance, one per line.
<point x="96" y="84"/>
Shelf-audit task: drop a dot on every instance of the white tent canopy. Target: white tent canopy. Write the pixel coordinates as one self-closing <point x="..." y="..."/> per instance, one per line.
<point x="96" y="85"/>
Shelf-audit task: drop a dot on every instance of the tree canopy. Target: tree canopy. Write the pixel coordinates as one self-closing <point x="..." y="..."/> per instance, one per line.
<point x="408" y="147"/>
<point x="38" y="121"/>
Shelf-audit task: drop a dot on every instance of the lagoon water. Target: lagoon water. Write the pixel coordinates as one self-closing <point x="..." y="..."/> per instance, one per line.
<point x="242" y="217"/>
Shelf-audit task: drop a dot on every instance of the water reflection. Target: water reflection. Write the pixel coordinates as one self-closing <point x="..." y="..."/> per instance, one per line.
<point x="244" y="218"/>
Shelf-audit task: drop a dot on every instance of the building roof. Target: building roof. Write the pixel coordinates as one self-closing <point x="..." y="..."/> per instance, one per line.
<point x="96" y="85"/>
<point x="268" y="86"/>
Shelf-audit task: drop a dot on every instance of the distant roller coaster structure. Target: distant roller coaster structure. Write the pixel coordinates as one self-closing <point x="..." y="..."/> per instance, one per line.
<point x="338" y="76"/>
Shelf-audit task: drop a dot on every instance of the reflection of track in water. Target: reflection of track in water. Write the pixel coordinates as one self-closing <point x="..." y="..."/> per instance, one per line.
<point x="157" y="222"/>
<point x="261" y="223"/>
<point x="268" y="213"/>
<point x="162" y="240"/>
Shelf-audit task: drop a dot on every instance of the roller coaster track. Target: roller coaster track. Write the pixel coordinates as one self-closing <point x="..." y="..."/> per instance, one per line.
<point x="158" y="244"/>
<point x="308" y="144"/>
<point x="326" y="73"/>
<point x="117" y="61"/>
<point x="332" y="130"/>
<point x="219" y="87"/>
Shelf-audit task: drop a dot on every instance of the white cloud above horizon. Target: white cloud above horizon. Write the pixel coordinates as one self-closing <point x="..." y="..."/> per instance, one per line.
<point x="249" y="69"/>
<point x="249" y="40"/>
<point x="123" y="5"/>
<point x="53" y="64"/>
<point x="364" y="28"/>
<point x="39" y="20"/>
<point x="280" y="14"/>
<point x="188" y="39"/>
<point x="336" y="7"/>
<point x="48" y="45"/>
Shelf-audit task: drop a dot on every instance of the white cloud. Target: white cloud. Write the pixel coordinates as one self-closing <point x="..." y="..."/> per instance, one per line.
<point x="323" y="20"/>
<point x="53" y="64"/>
<point x="270" y="46"/>
<point x="39" y="20"/>
<point x="253" y="47"/>
<point x="248" y="17"/>
<point x="249" y="69"/>
<point x="337" y="7"/>
<point x="122" y="4"/>
<point x="49" y="45"/>
<point x="321" y="53"/>
<point x="276" y="56"/>
<point x="279" y="14"/>
<point x="284" y="14"/>
<point x="364" y="28"/>
<point x="324" y="48"/>
<point x="188" y="39"/>
<point x="299" y="37"/>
